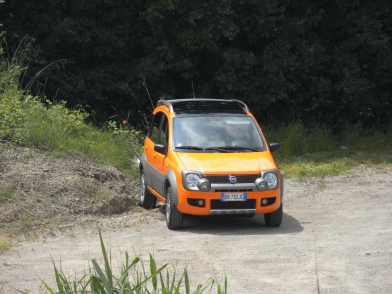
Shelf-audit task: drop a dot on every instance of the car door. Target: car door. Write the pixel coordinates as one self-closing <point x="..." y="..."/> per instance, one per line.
<point x="156" y="135"/>
<point x="163" y="137"/>
<point x="149" y="153"/>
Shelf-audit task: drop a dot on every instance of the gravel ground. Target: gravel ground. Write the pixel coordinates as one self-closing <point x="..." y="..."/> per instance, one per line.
<point x="336" y="237"/>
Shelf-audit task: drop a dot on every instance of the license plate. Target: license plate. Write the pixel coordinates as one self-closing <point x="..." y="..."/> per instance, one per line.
<point x="233" y="197"/>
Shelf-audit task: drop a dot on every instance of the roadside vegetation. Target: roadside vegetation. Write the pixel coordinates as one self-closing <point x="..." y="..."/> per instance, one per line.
<point x="36" y="122"/>
<point x="39" y="123"/>
<point x="306" y="150"/>
<point x="133" y="278"/>
<point x="319" y="151"/>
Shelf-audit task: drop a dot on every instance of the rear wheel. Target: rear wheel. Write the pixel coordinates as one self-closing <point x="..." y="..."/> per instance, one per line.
<point x="147" y="200"/>
<point x="174" y="218"/>
<point x="274" y="219"/>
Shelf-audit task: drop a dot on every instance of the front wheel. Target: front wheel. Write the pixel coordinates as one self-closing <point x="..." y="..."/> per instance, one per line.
<point x="274" y="219"/>
<point x="147" y="200"/>
<point x="174" y="218"/>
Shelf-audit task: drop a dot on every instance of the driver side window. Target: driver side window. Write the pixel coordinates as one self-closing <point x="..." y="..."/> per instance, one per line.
<point x="154" y="128"/>
<point x="163" y="132"/>
<point x="158" y="132"/>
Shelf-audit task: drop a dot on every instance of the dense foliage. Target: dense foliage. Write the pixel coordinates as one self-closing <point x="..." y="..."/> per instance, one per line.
<point x="316" y="61"/>
<point x="30" y="121"/>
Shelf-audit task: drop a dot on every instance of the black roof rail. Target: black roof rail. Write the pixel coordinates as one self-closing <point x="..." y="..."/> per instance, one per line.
<point x="169" y="104"/>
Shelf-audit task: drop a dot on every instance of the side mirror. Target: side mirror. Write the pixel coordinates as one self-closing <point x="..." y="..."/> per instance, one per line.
<point x="160" y="148"/>
<point x="274" y="147"/>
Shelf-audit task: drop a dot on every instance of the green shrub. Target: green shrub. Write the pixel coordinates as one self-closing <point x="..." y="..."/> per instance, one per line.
<point x="50" y="126"/>
<point x="11" y="113"/>
<point x="33" y="122"/>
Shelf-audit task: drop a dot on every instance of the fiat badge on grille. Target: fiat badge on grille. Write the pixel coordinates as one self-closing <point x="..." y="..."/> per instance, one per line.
<point x="232" y="179"/>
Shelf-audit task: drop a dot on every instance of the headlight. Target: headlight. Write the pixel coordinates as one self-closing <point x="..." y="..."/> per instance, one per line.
<point x="271" y="179"/>
<point x="191" y="180"/>
<point x="261" y="184"/>
<point x="204" y="185"/>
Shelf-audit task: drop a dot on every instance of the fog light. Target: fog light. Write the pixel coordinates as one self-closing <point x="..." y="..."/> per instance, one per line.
<point x="268" y="201"/>
<point x="197" y="202"/>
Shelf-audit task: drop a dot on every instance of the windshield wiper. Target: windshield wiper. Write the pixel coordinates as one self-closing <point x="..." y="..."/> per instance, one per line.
<point x="189" y="147"/>
<point x="221" y="149"/>
<point x="239" y="148"/>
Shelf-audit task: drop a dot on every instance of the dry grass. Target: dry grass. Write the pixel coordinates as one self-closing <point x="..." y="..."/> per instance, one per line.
<point x="39" y="191"/>
<point x="5" y="243"/>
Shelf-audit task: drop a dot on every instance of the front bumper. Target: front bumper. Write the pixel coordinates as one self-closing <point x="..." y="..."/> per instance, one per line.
<point x="209" y="203"/>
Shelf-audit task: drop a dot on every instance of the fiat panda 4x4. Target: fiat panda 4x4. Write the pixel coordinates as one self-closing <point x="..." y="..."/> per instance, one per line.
<point x="209" y="157"/>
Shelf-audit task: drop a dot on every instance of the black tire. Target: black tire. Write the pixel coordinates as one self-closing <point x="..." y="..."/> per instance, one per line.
<point x="147" y="200"/>
<point x="174" y="218"/>
<point x="274" y="219"/>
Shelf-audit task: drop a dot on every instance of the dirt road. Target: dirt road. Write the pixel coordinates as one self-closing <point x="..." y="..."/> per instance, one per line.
<point x="336" y="237"/>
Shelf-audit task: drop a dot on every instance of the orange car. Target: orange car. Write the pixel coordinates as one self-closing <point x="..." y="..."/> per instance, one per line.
<point x="209" y="157"/>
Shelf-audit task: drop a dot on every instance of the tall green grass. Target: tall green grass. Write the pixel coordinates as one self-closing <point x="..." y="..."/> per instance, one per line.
<point x="318" y="151"/>
<point x="296" y="139"/>
<point x="132" y="278"/>
<point x="37" y="122"/>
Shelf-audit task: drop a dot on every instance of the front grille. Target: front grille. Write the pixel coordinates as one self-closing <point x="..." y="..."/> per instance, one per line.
<point x="233" y="190"/>
<point x="249" y="204"/>
<point x="241" y="179"/>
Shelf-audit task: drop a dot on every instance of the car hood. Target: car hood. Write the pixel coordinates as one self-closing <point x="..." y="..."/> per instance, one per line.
<point x="243" y="162"/>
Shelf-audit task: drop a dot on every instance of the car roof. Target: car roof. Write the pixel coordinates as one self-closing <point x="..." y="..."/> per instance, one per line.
<point x="205" y="105"/>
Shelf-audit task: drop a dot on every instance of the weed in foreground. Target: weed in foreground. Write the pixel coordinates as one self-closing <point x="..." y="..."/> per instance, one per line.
<point x="133" y="278"/>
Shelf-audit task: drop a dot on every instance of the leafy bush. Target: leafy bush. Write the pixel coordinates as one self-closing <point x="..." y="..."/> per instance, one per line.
<point x="50" y="126"/>
<point x="34" y="122"/>
<point x="10" y="104"/>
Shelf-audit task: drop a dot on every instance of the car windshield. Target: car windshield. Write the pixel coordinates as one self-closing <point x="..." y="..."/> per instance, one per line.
<point x="217" y="134"/>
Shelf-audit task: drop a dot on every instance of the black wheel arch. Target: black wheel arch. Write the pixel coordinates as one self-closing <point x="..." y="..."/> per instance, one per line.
<point x="172" y="182"/>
